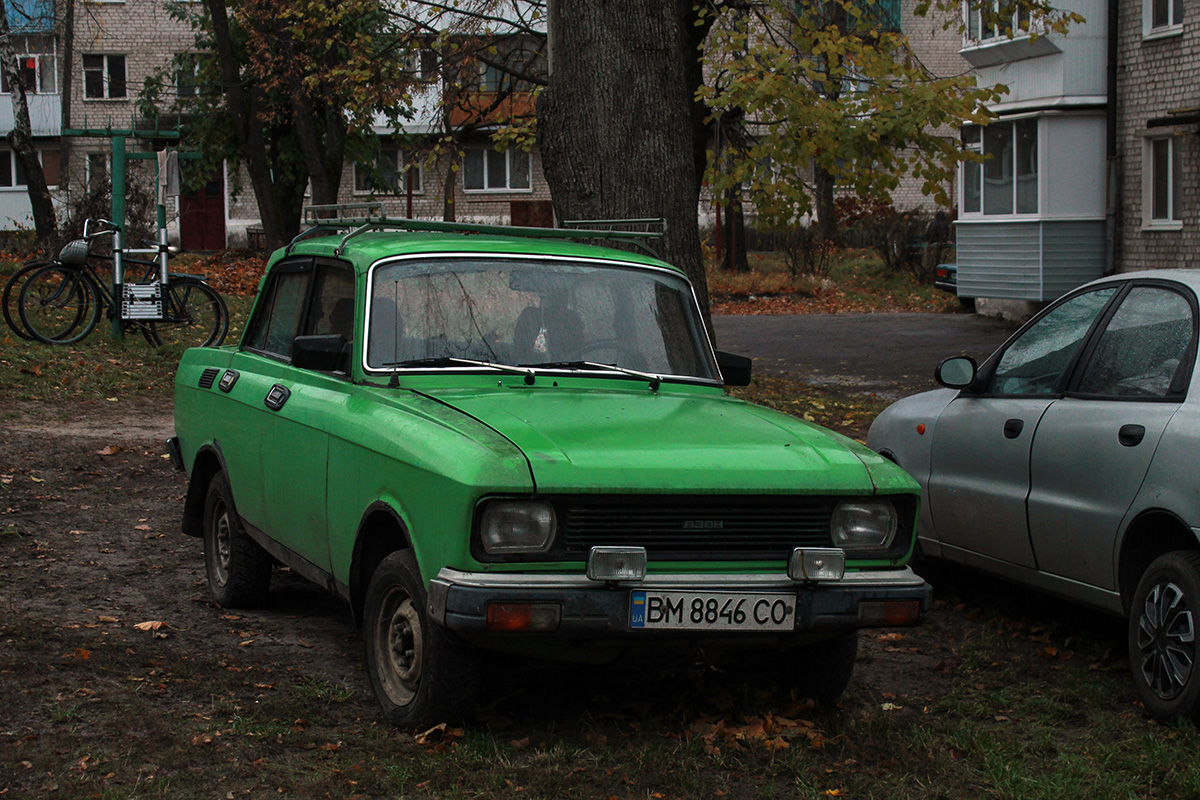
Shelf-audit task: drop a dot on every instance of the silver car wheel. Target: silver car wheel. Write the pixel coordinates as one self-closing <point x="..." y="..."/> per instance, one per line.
<point x="224" y="546"/>
<point x="1166" y="639"/>
<point x="400" y="646"/>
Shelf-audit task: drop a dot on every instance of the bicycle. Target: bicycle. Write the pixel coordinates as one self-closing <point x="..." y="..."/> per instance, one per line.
<point x="60" y="303"/>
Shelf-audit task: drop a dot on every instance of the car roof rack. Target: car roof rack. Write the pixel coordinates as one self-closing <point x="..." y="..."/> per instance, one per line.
<point x="359" y="218"/>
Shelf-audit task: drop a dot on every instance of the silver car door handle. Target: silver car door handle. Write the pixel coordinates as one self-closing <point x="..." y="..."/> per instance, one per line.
<point x="1013" y="428"/>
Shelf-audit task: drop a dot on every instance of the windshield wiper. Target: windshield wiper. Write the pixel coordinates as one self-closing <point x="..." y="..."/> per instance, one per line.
<point x="447" y="361"/>
<point x="655" y="380"/>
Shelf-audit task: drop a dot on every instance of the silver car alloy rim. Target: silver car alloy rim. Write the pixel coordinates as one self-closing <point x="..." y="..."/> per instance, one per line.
<point x="1166" y="639"/>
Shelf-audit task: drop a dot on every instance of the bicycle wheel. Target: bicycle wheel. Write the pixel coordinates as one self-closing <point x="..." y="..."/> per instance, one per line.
<point x="194" y="316"/>
<point x="58" y="305"/>
<point x="12" y="291"/>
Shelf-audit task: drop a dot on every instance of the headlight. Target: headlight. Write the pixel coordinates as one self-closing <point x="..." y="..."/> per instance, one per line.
<point x="864" y="525"/>
<point x="517" y="526"/>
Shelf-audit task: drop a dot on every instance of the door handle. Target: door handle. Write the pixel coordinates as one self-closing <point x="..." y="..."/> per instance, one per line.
<point x="1131" y="435"/>
<point x="275" y="398"/>
<point x="1013" y="428"/>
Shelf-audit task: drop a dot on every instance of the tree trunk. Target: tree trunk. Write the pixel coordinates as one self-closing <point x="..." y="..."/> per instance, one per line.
<point x="66" y="76"/>
<point x="620" y="132"/>
<point x="277" y="205"/>
<point x="734" y="257"/>
<point x="21" y="138"/>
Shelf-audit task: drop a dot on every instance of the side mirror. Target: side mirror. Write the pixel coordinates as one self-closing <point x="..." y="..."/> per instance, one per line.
<point x="325" y="353"/>
<point x="735" y="370"/>
<point x="956" y="373"/>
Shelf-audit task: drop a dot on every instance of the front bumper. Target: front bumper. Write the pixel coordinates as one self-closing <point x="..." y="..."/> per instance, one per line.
<point x="591" y="610"/>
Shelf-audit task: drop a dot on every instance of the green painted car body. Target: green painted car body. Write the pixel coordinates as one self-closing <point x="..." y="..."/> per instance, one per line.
<point x="343" y="442"/>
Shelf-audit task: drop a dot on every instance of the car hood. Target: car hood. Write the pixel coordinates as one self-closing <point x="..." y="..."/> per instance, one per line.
<point x="635" y="441"/>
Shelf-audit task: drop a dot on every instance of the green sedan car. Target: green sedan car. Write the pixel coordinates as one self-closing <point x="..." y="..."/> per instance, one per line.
<point x="502" y="439"/>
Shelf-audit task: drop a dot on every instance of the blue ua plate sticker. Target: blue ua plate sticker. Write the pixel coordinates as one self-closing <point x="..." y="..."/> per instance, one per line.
<point x="637" y="610"/>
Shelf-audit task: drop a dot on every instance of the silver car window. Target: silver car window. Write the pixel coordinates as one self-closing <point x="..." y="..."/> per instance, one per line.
<point x="1142" y="347"/>
<point x="1036" y="362"/>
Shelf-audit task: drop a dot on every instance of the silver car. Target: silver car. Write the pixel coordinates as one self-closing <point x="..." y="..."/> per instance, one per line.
<point x="1067" y="461"/>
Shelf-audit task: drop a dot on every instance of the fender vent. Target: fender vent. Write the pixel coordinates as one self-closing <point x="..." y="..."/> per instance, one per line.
<point x="209" y="377"/>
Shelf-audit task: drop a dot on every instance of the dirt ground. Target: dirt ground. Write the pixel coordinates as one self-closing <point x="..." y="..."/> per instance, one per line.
<point x="113" y="660"/>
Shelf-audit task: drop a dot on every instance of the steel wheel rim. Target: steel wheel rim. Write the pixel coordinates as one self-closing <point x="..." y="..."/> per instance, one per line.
<point x="223" y="544"/>
<point x="398" y="647"/>
<point x="1166" y="640"/>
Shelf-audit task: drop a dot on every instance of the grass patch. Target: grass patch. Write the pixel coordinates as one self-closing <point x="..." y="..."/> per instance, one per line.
<point x="857" y="281"/>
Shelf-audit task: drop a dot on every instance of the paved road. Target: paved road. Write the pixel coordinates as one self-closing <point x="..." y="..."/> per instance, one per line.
<point x="891" y="355"/>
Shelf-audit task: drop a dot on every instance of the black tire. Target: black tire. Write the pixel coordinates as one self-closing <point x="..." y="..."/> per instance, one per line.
<point x="822" y="669"/>
<point x="239" y="570"/>
<point x="58" y="305"/>
<point x="1162" y="636"/>
<point x="12" y="291"/>
<point x="195" y="313"/>
<point x="420" y="673"/>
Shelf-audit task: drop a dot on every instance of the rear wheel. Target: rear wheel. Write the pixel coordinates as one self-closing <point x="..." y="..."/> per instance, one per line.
<point x="1162" y="636"/>
<point x="58" y="305"/>
<point x="194" y="316"/>
<point x="420" y="674"/>
<point x="239" y="570"/>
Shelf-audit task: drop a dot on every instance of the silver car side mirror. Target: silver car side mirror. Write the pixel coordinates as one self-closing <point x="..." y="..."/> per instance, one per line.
<point x="956" y="373"/>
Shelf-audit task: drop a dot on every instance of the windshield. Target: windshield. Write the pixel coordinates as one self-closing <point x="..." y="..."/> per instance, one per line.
<point x="534" y="313"/>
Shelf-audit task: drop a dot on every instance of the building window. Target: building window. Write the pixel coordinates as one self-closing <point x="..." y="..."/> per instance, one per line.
<point x="187" y="70"/>
<point x="1162" y="193"/>
<point x="97" y="171"/>
<point x="104" y="77"/>
<point x="1162" y="17"/>
<point x="390" y="175"/>
<point x="1007" y="181"/>
<point x="12" y="174"/>
<point x="985" y="24"/>
<point x="488" y="170"/>
<point x="37" y="74"/>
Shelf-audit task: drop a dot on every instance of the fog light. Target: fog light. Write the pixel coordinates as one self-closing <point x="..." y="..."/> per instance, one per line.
<point x="511" y="617"/>
<point x="817" y="564"/>
<point x="880" y="613"/>
<point x="616" y="564"/>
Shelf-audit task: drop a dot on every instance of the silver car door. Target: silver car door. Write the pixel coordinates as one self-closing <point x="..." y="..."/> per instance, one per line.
<point x="979" y="467"/>
<point x="1093" y="448"/>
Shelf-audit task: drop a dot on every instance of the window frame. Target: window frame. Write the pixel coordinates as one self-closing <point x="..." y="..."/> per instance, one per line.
<point x="1024" y="165"/>
<point x="106" y="75"/>
<point x="973" y="25"/>
<point x="485" y="172"/>
<point x="1174" y="25"/>
<point x="312" y="273"/>
<point x="1173" y="221"/>
<point x="398" y="163"/>
<point x="14" y="177"/>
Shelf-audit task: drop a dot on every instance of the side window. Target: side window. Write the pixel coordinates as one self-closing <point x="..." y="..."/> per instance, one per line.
<point x="303" y="299"/>
<point x="333" y="304"/>
<point x="277" y="320"/>
<point x="1035" y="364"/>
<point x="1143" y="348"/>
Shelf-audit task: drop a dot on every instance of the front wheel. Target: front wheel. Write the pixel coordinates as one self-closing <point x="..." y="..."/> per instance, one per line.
<point x="822" y="669"/>
<point x="420" y="674"/>
<point x="194" y="315"/>
<point x="1162" y="636"/>
<point x="58" y="305"/>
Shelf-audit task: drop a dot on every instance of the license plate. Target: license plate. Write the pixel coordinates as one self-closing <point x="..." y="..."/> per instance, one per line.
<point x="711" y="611"/>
